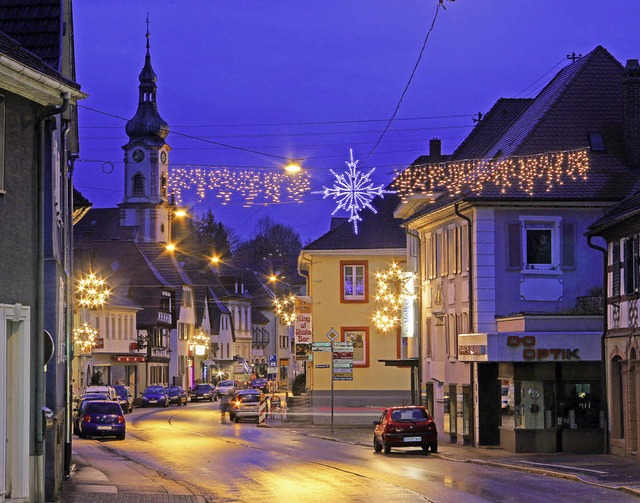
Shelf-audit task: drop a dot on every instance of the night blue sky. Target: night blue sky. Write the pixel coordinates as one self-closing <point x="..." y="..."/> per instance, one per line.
<point x="313" y="79"/>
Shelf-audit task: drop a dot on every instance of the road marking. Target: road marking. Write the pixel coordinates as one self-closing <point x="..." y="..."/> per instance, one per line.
<point x="574" y="468"/>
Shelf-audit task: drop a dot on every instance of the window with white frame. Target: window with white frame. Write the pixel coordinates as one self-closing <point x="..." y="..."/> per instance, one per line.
<point x="353" y="281"/>
<point x="539" y="244"/>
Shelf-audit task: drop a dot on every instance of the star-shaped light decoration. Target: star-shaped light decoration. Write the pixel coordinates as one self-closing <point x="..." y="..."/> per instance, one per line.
<point x="85" y="337"/>
<point x="285" y="308"/>
<point x="393" y="290"/>
<point x="354" y="191"/>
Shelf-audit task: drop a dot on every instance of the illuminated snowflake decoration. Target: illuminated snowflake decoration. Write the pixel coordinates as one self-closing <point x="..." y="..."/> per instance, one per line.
<point x="353" y="191"/>
<point x="85" y="337"/>
<point x="285" y="308"/>
<point x="92" y="291"/>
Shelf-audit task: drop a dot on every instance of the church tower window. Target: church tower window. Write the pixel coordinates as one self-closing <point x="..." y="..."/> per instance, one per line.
<point x="163" y="185"/>
<point x="138" y="184"/>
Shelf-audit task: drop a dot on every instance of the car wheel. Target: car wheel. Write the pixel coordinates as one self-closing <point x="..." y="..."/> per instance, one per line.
<point x="434" y="447"/>
<point x="425" y="447"/>
<point x="211" y="399"/>
<point x="121" y="437"/>
<point x="166" y="403"/>
<point x="81" y="435"/>
<point x="387" y="448"/>
<point x="376" y="446"/>
<point x="215" y="398"/>
<point x="236" y="419"/>
<point x="144" y="405"/>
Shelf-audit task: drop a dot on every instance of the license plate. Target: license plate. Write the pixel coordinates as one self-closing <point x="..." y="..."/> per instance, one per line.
<point x="153" y="401"/>
<point x="103" y="427"/>
<point x="412" y="439"/>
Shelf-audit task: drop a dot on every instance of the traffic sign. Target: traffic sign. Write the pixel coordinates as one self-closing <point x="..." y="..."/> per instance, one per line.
<point x="332" y="335"/>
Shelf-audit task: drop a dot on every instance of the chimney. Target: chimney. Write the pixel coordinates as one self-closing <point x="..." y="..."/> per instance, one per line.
<point x="631" y="97"/>
<point x="435" y="149"/>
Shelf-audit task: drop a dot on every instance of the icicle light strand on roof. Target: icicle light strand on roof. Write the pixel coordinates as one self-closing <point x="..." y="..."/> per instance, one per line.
<point x="248" y="185"/>
<point x="522" y="172"/>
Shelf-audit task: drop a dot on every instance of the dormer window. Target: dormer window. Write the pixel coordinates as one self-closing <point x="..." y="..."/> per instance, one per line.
<point x="138" y="184"/>
<point x="596" y="142"/>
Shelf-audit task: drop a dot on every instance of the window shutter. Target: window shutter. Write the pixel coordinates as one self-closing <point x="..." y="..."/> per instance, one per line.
<point x="568" y="245"/>
<point x="515" y="246"/>
<point x="615" y="280"/>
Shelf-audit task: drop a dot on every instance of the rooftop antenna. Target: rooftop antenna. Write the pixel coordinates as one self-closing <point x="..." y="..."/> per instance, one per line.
<point x="573" y="56"/>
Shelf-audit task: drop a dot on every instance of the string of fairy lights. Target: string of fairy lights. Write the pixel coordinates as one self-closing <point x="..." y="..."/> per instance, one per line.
<point x="250" y="185"/>
<point x="523" y="172"/>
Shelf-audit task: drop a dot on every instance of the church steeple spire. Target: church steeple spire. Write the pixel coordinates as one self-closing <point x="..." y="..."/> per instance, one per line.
<point x="147" y="126"/>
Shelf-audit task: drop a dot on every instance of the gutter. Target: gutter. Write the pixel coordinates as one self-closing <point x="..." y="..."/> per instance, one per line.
<point x="418" y="328"/>
<point x="40" y="383"/>
<point x="603" y="339"/>
<point x="456" y="208"/>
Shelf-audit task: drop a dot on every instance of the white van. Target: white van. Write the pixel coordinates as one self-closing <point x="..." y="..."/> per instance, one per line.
<point x="101" y="388"/>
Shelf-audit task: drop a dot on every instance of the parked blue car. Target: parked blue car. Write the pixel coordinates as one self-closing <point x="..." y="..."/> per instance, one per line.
<point x="102" y="418"/>
<point x="155" y="395"/>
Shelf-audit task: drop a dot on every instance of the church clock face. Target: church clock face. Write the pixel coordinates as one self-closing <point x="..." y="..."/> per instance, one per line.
<point x="163" y="157"/>
<point x="138" y="156"/>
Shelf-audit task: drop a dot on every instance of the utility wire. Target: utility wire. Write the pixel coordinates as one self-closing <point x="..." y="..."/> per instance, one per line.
<point x="413" y="72"/>
<point x="196" y="137"/>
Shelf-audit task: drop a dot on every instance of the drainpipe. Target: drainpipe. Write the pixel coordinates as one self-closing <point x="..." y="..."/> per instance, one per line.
<point x="419" y="324"/>
<point x="603" y="350"/>
<point x="471" y="324"/>
<point x="40" y="383"/>
<point x="70" y="159"/>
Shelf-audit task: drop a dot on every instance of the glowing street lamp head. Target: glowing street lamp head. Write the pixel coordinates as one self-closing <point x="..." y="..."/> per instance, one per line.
<point x="170" y="247"/>
<point x="293" y="167"/>
<point x="215" y="260"/>
<point x="180" y="213"/>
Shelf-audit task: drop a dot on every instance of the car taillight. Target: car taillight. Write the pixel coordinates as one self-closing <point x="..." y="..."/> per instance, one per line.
<point x="431" y="426"/>
<point x="86" y="419"/>
<point x="121" y="419"/>
<point x="390" y="428"/>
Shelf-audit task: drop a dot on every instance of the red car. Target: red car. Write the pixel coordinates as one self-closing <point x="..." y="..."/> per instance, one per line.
<point x="409" y="426"/>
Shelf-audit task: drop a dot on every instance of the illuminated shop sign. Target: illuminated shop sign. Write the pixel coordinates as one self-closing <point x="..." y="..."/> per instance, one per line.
<point x="531" y="352"/>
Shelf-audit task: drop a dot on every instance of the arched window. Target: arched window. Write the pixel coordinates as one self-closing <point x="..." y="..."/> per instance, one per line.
<point x="163" y="185"/>
<point x="138" y="184"/>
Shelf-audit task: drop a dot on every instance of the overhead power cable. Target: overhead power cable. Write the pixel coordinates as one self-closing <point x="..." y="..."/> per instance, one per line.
<point x="413" y="72"/>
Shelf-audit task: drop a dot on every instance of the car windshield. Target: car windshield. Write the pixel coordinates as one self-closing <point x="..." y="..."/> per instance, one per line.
<point x="203" y="387"/>
<point x="103" y="408"/>
<point x="122" y="393"/>
<point x="225" y="383"/>
<point x="409" y="415"/>
<point x="173" y="391"/>
<point x="154" y="389"/>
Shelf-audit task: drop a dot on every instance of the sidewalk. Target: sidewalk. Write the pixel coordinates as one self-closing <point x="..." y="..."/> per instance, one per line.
<point x="604" y="470"/>
<point x="103" y="476"/>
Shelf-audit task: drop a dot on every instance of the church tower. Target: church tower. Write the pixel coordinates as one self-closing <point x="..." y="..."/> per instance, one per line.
<point x="146" y="164"/>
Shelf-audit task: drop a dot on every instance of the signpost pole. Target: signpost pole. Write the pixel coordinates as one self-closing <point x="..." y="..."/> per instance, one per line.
<point x="332" y="386"/>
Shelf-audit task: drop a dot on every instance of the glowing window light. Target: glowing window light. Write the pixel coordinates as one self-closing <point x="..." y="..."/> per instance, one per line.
<point x="521" y="172"/>
<point x="85" y="337"/>
<point x="92" y="291"/>
<point x="285" y="308"/>
<point x="392" y="292"/>
<point x="251" y="186"/>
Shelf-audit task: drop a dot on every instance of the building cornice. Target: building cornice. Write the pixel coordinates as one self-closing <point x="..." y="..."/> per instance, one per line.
<point x="36" y="86"/>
